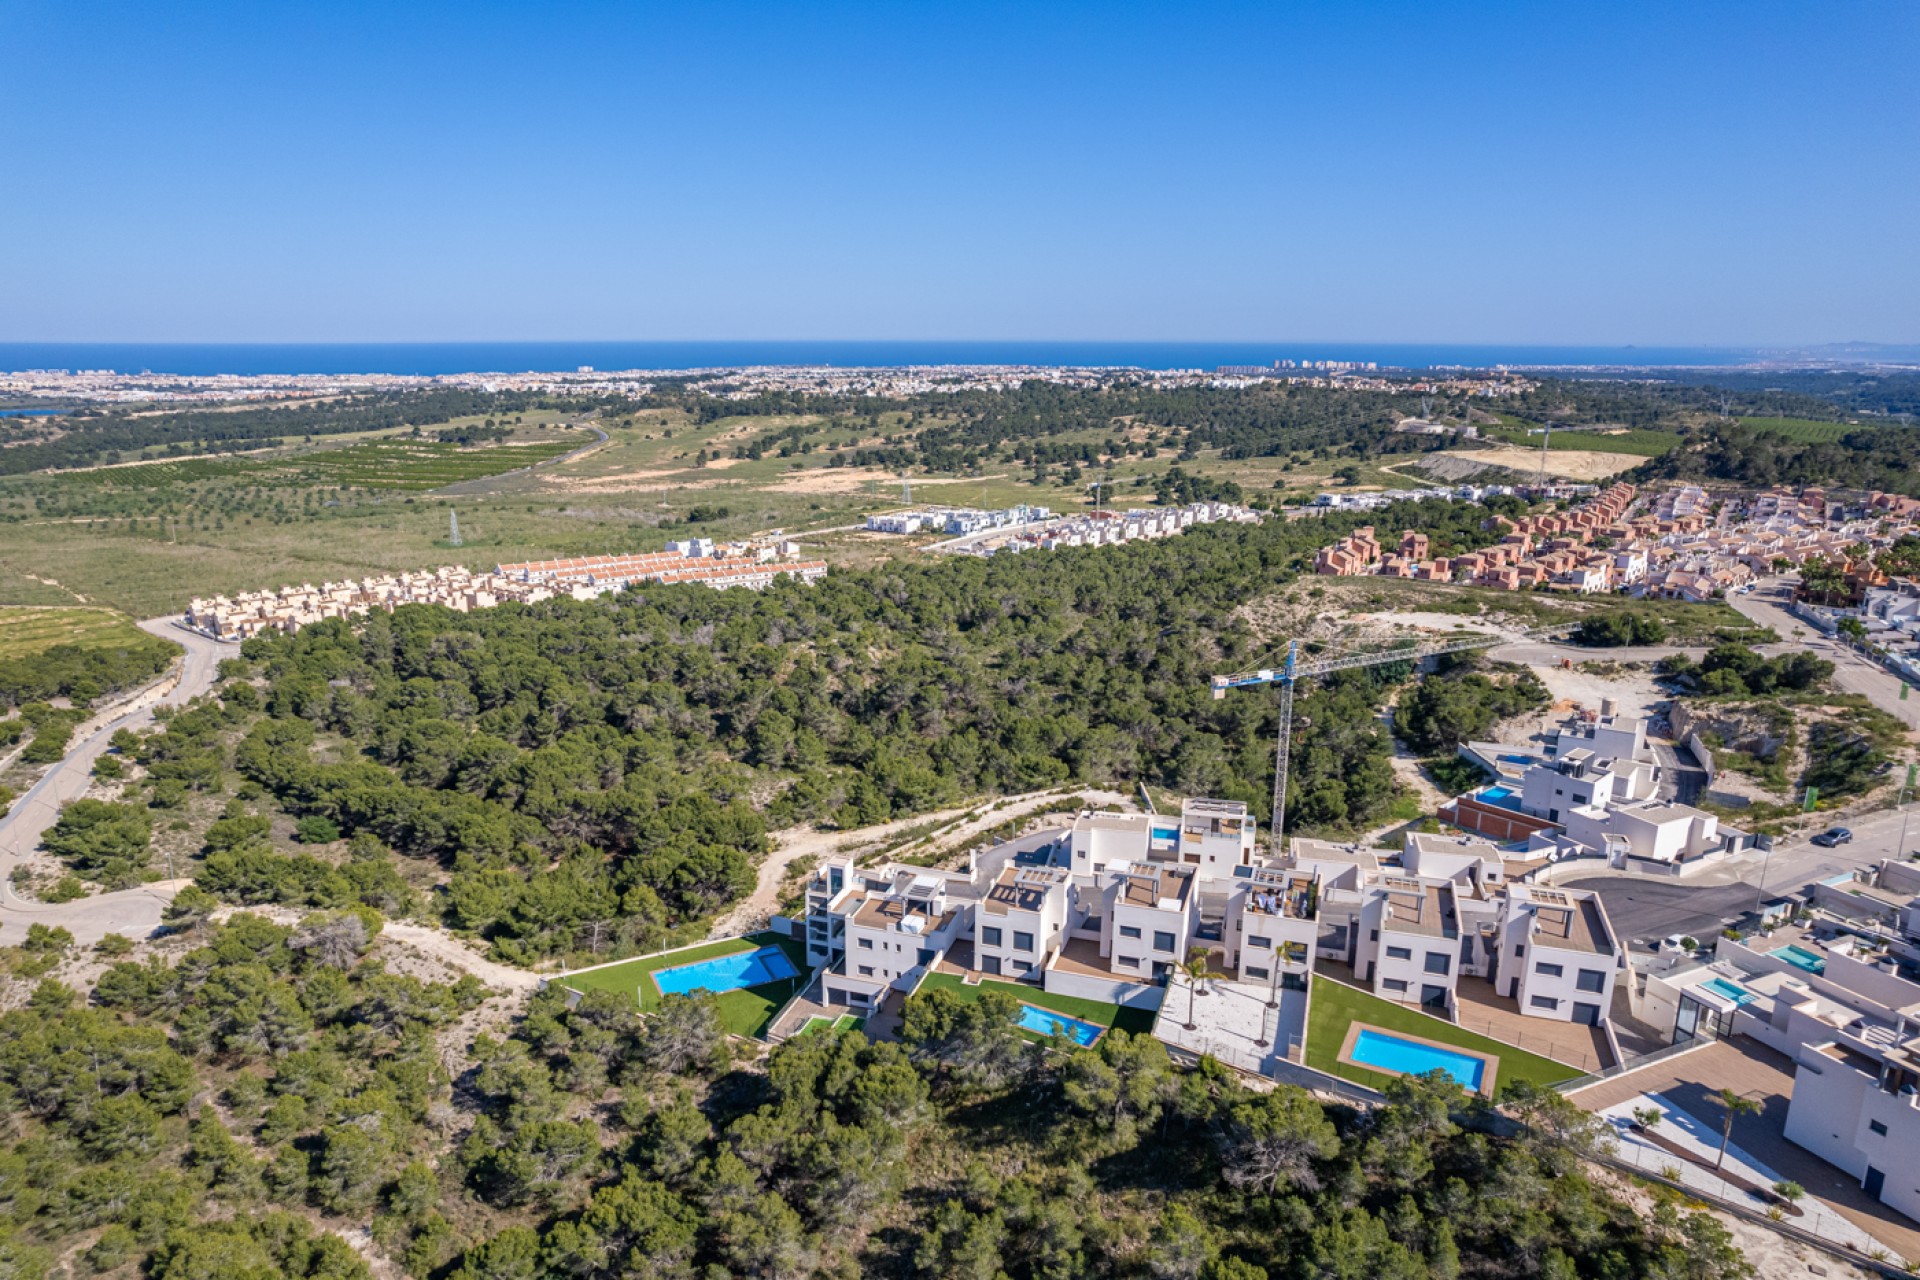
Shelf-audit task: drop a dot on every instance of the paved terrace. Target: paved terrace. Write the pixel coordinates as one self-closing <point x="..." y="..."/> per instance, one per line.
<point x="1498" y="1018"/>
<point x="1692" y="1082"/>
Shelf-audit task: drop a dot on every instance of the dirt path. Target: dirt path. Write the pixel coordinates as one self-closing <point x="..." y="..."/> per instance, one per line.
<point x="454" y="953"/>
<point x="798" y="843"/>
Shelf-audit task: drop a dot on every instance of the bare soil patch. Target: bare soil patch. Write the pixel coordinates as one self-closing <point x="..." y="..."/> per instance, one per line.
<point x="1573" y="464"/>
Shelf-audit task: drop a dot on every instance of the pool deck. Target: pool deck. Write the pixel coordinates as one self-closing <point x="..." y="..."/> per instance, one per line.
<point x="1477" y="1008"/>
<point x="1692" y="1082"/>
<point x="1489" y="1074"/>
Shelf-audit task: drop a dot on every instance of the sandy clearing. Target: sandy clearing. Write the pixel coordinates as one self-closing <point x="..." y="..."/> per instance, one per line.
<point x="798" y="843"/>
<point x="854" y="479"/>
<point x="1574" y="464"/>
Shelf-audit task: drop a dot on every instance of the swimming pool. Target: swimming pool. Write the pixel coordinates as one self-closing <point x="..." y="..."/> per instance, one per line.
<point x="1499" y="797"/>
<point x="1043" y="1021"/>
<point x="1800" y="958"/>
<point x="1730" y="991"/>
<point x="1412" y="1057"/>
<point x="727" y="973"/>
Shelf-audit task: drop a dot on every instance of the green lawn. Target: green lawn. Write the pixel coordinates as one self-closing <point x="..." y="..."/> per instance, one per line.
<point x="1337" y="1006"/>
<point x="1132" y="1021"/>
<point x="1641" y="442"/>
<point x="845" y="1022"/>
<point x="746" y="1012"/>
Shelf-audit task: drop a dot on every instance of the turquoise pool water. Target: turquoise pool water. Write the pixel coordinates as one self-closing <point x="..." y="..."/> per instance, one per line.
<point x="1409" y="1057"/>
<point x="1800" y="958"/>
<point x="1731" y="991"/>
<point x="1043" y="1021"/>
<point x="727" y="973"/>
<point x="1500" y="797"/>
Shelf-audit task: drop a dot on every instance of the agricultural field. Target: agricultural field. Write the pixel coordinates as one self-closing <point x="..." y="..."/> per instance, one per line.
<point x="1803" y="430"/>
<point x="25" y="631"/>
<point x="1639" y="442"/>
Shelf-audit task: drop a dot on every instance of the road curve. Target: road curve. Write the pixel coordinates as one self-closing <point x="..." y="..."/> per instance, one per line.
<point x="135" y="912"/>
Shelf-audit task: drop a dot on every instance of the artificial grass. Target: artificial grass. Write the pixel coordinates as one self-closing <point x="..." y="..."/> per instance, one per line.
<point x="1132" y="1021"/>
<point x="1336" y="1006"/>
<point x="845" y="1022"/>
<point x="746" y="1012"/>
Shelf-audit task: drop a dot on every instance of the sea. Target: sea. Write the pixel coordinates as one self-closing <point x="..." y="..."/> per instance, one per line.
<point x="431" y="358"/>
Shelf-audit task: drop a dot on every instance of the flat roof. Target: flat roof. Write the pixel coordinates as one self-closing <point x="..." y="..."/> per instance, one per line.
<point x="1414" y="906"/>
<point x="1025" y="888"/>
<point x="890" y="912"/>
<point x="1569" y="921"/>
<point x="1147" y="888"/>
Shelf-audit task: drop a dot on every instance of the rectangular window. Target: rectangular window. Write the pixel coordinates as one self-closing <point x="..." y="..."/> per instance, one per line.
<point x="1399" y="953"/>
<point x="866" y="944"/>
<point x="1519" y="951"/>
<point x="1254" y="971"/>
<point x="1439" y="962"/>
<point x="1394" y="984"/>
<point x="1255" y="940"/>
<point x="989" y="937"/>
<point x="1590" y="980"/>
<point x="1544" y="1002"/>
<point x="1022" y="941"/>
<point x="1876" y="1127"/>
<point x="1128" y="962"/>
<point x="866" y="971"/>
<point x="1129" y="930"/>
<point x="1022" y="966"/>
<point x="1162" y="941"/>
<point x="1547" y="969"/>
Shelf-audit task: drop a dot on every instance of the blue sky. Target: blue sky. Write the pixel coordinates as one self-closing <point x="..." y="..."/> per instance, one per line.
<point x="1702" y="173"/>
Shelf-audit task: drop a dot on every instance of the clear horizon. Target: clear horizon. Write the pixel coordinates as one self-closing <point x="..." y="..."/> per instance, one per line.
<point x="1493" y="174"/>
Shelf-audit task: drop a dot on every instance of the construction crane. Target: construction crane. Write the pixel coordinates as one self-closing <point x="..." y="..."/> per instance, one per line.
<point x="1295" y="669"/>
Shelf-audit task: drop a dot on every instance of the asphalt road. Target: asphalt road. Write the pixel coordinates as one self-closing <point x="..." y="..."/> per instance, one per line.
<point x="1766" y="605"/>
<point x="135" y="912"/>
<point x="1651" y="909"/>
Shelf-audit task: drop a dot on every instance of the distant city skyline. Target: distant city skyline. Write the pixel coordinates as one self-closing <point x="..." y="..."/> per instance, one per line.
<point x="1489" y="174"/>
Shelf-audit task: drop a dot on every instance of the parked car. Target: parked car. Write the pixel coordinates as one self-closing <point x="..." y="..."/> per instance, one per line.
<point x="1832" y="836"/>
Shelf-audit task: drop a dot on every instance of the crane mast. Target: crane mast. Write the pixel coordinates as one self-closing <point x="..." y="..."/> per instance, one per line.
<point x="1294" y="670"/>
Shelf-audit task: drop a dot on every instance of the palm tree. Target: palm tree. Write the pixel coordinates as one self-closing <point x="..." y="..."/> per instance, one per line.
<point x="1195" y="968"/>
<point x="1735" y="1106"/>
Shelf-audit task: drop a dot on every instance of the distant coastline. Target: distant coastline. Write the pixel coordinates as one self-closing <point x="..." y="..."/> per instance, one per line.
<point x="442" y="358"/>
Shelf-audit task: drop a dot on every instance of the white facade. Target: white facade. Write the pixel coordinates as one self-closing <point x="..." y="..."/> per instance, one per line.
<point x="1558" y="956"/>
<point x="1021" y="922"/>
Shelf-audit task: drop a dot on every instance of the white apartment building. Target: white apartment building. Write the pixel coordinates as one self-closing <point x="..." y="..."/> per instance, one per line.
<point x="1450" y="912"/>
<point x="1212" y="837"/>
<point x="1272" y="926"/>
<point x="1662" y="835"/>
<point x="1580" y="777"/>
<point x="1021" y="921"/>
<point x="1149" y="917"/>
<point x="1558" y="957"/>
<point x="1408" y="946"/>
<point x="881" y="931"/>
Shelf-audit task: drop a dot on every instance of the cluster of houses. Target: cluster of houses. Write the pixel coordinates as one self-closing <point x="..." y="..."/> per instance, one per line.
<point x="1374" y="499"/>
<point x="1684" y="545"/>
<point x="287" y="609"/>
<point x="1591" y="791"/>
<point x="1832" y="982"/>
<point x="1118" y="901"/>
<point x="754" y="564"/>
<point x="956" y="521"/>
<point x="1544" y="550"/>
